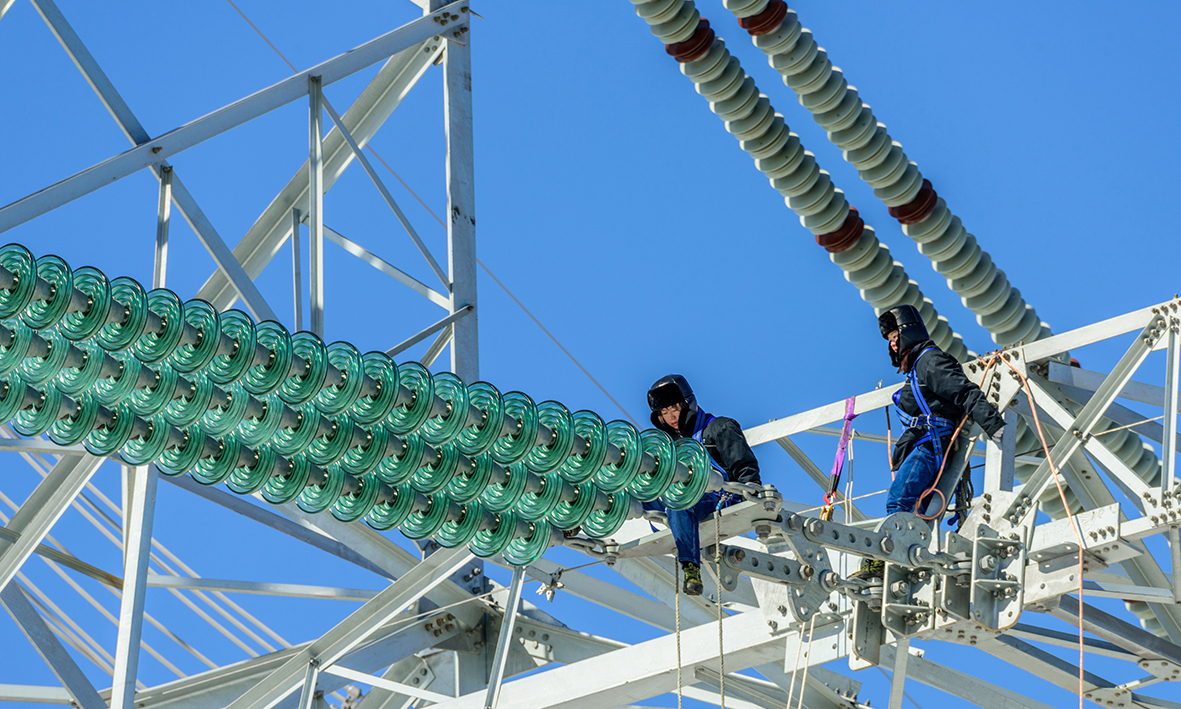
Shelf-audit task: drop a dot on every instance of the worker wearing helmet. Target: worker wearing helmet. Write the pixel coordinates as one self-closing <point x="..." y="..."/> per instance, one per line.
<point x="675" y="411"/>
<point x="932" y="403"/>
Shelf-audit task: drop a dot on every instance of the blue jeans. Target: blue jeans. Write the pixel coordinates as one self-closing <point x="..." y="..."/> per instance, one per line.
<point x="913" y="477"/>
<point x="683" y="525"/>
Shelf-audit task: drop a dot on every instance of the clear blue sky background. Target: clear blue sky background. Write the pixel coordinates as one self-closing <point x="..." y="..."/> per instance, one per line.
<point x="617" y="208"/>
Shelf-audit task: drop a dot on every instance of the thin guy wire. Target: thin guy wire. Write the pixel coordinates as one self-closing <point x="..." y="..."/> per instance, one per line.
<point x="430" y="211"/>
<point x="718" y="573"/>
<point x="677" y="610"/>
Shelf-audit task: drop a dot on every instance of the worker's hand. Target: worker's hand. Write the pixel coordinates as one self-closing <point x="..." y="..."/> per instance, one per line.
<point x="996" y="437"/>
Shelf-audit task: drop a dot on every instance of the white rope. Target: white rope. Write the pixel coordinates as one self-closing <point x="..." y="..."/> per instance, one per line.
<point x="677" y="607"/>
<point x="791" y="690"/>
<point x="804" y="681"/>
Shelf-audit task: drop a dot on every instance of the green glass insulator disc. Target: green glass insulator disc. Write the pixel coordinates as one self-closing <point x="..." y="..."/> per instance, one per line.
<point x="143" y="450"/>
<point x="604" y="523"/>
<point x="251" y="478"/>
<point x="445" y="427"/>
<point x="490" y="542"/>
<point x="465" y="488"/>
<point x="498" y="497"/>
<point x="253" y="431"/>
<point x="408" y="419"/>
<point x="302" y="388"/>
<point x="267" y="377"/>
<point x="568" y="514"/>
<point x="281" y="490"/>
<point x="189" y="409"/>
<point x="154" y="347"/>
<point x="19" y="261"/>
<point x="369" y="411"/>
<point x="397" y="469"/>
<point x="580" y="468"/>
<point x="649" y="486"/>
<point x="39" y="370"/>
<point x="316" y="498"/>
<point x="515" y="446"/>
<point x="391" y="513"/>
<point x="38" y="419"/>
<point x="193" y="358"/>
<point x="293" y="441"/>
<point x="366" y="457"/>
<point x="72" y="381"/>
<point x="333" y="400"/>
<point x="478" y="439"/>
<point x="613" y="478"/>
<point x="221" y="420"/>
<point x="421" y="524"/>
<point x="154" y="399"/>
<point x="182" y="458"/>
<point x="216" y="468"/>
<point x="42" y="314"/>
<point x="106" y="440"/>
<point x="434" y="475"/>
<point x="329" y="449"/>
<point x="683" y="495"/>
<point x="70" y="430"/>
<point x="84" y="325"/>
<point x="350" y="508"/>
<point x="13" y="356"/>
<point x="113" y="390"/>
<point x="455" y="533"/>
<point x="227" y="369"/>
<point x="536" y="505"/>
<point x="118" y="336"/>
<point x="12" y="397"/>
<point x="543" y="459"/>
<point x="523" y="551"/>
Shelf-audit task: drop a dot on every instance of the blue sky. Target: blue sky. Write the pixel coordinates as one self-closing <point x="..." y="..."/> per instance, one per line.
<point x="617" y="208"/>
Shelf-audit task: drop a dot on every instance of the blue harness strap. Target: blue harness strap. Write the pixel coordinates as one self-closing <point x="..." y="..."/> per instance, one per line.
<point x="936" y="427"/>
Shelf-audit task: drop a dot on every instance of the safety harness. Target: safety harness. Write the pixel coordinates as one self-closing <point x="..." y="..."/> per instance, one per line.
<point x="937" y="428"/>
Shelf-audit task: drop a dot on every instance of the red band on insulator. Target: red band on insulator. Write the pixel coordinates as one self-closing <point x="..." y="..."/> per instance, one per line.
<point x="918" y="208"/>
<point x="837" y="241"/>
<point x="695" y="47"/>
<point x="766" y="21"/>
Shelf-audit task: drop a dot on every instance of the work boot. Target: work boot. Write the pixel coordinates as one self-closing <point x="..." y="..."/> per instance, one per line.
<point x="692" y="573"/>
<point x="871" y="569"/>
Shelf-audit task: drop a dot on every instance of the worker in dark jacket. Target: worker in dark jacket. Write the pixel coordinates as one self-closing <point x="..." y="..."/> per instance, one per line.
<point x="675" y="411"/>
<point x="934" y="400"/>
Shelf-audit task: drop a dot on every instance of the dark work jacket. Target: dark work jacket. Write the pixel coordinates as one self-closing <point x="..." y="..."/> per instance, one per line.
<point x="948" y="392"/>
<point x="723" y="439"/>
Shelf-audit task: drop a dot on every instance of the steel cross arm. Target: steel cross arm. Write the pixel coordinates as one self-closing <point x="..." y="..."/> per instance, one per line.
<point x="1041" y="664"/>
<point x="155" y="152"/>
<point x="385" y="194"/>
<point x="415" y="339"/>
<point x="375" y="104"/>
<point x="68" y="561"/>
<point x="290" y="590"/>
<point x="1090" y="334"/>
<point x="136" y="133"/>
<point x="647" y="669"/>
<point x="604" y="594"/>
<point x="387" y="268"/>
<point x="1120" y="415"/>
<point x="386" y="684"/>
<point x="219" y="687"/>
<point x="44" y="507"/>
<point x="1078" y="430"/>
<point x="1089" y="416"/>
<point x="139" y="515"/>
<point x="828" y="413"/>
<point x="352" y="631"/>
<point x="1117" y="631"/>
<point x="1070" y="641"/>
<point x="34" y="694"/>
<point x="959" y="684"/>
<point x="50" y="648"/>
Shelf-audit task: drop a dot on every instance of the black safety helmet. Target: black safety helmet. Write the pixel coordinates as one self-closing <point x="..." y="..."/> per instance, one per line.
<point x="669" y="390"/>
<point x="911" y="330"/>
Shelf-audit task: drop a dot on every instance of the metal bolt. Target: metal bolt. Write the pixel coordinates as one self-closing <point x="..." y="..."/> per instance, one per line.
<point x="887" y="545"/>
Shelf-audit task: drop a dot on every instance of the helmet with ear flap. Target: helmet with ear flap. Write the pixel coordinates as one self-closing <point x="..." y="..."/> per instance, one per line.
<point x="909" y="324"/>
<point x="667" y="391"/>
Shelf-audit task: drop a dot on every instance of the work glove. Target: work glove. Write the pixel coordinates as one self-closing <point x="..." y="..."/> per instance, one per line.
<point x="996" y="437"/>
